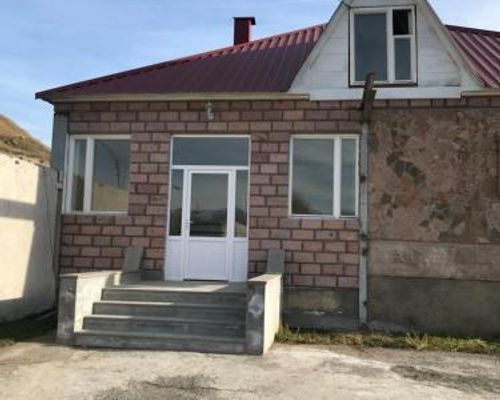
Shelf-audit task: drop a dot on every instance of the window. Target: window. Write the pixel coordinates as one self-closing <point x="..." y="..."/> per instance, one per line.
<point x="324" y="176"/>
<point x="228" y="158"/>
<point x="211" y="151"/>
<point x="98" y="174"/>
<point x="383" y="42"/>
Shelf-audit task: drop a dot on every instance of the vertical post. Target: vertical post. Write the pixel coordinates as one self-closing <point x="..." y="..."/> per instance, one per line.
<point x="57" y="162"/>
<point x="366" y="114"/>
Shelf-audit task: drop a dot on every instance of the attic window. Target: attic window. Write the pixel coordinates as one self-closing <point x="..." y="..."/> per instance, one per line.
<point x="383" y="42"/>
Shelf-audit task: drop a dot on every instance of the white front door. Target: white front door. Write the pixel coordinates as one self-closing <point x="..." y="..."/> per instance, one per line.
<point x="208" y="234"/>
<point x="209" y="228"/>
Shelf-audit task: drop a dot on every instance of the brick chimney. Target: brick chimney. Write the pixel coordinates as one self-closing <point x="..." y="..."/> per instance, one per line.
<point x="243" y="29"/>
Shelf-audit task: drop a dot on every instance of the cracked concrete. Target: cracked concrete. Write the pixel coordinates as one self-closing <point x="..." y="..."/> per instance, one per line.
<point x="43" y="370"/>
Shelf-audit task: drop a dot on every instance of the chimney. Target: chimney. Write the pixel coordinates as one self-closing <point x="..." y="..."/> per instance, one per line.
<point x="243" y="29"/>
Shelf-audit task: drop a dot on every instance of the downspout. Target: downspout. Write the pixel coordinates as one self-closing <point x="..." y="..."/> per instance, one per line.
<point x="366" y="115"/>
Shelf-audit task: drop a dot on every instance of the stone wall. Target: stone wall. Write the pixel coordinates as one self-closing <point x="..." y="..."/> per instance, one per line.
<point x="319" y="253"/>
<point x="435" y="215"/>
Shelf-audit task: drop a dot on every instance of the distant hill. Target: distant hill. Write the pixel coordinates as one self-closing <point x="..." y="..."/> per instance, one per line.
<point x="17" y="142"/>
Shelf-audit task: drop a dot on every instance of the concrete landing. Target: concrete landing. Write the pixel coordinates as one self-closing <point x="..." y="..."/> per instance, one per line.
<point x="189" y="286"/>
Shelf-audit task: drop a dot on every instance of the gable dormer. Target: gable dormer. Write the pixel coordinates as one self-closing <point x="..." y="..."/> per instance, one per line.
<point x="402" y="41"/>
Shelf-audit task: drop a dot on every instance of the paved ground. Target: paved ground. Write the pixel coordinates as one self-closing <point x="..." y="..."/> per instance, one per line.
<point x="41" y="370"/>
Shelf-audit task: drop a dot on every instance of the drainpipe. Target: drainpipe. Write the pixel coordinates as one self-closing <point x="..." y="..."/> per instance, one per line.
<point x="366" y="114"/>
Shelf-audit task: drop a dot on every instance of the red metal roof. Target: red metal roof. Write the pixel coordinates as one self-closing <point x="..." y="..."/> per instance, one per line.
<point x="482" y="49"/>
<point x="264" y="65"/>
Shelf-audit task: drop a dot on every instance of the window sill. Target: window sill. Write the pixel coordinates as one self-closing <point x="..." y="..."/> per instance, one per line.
<point x="360" y="85"/>
<point x="323" y="217"/>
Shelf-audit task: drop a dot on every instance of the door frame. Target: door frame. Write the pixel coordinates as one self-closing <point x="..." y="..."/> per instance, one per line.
<point x="188" y="170"/>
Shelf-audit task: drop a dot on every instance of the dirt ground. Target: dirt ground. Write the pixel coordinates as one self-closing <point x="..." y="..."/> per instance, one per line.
<point x="43" y="370"/>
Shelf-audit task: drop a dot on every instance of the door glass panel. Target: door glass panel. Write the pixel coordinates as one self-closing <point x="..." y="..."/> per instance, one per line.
<point x="241" y="216"/>
<point x="348" y="189"/>
<point x="312" y="184"/>
<point x="78" y="179"/>
<point x="210" y="151"/>
<point x="370" y="36"/>
<point x="176" y="191"/>
<point x="208" y="205"/>
<point x="111" y="175"/>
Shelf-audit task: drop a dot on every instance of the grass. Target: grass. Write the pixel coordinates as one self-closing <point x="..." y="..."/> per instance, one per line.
<point x="28" y="328"/>
<point x="16" y="142"/>
<point x="419" y="342"/>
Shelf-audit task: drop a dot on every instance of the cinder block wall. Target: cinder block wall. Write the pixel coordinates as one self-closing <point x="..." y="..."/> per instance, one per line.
<point x="319" y="253"/>
<point x="435" y="216"/>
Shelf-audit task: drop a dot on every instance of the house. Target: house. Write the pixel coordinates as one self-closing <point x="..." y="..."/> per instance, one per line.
<point x="388" y="219"/>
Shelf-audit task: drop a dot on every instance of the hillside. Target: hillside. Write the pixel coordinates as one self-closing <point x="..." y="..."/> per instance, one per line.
<point x="17" y="142"/>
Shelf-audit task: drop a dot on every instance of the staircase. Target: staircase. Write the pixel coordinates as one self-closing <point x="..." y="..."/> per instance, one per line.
<point x="184" y="316"/>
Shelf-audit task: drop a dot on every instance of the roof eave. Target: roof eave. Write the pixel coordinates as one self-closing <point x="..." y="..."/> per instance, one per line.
<point x="200" y="96"/>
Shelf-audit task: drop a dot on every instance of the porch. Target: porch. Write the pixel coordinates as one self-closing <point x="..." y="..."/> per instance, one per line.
<point x="119" y="310"/>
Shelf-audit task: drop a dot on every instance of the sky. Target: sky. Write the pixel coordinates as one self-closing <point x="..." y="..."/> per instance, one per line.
<point x="48" y="43"/>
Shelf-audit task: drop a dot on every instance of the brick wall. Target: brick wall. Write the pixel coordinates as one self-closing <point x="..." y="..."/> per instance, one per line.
<point x="319" y="253"/>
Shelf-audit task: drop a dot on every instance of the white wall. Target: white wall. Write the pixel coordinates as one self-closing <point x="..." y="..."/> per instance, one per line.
<point x="325" y="75"/>
<point x="28" y="198"/>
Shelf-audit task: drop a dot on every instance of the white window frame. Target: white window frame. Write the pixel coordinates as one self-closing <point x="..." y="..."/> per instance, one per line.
<point x="337" y="176"/>
<point x="186" y="168"/>
<point x="89" y="173"/>
<point x="391" y="38"/>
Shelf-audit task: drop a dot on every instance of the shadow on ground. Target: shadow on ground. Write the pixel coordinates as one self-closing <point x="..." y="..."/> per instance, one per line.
<point x="463" y="383"/>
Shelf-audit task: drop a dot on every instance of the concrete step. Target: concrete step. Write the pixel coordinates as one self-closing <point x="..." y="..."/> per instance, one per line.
<point x="178" y="342"/>
<point x="171" y="310"/>
<point x="190" y="326"/>
<point x="173" y="296"/>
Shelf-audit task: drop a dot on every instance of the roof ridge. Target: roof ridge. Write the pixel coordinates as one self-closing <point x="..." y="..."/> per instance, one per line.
<point x="476" y="30"/>
<point x="176" y="61"/>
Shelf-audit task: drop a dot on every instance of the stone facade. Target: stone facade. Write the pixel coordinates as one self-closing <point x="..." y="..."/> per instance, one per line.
<point x="434" y="217"/>
<point x="319" y="253"/>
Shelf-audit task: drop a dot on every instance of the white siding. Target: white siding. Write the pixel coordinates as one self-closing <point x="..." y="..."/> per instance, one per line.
<point x="325" y="75"/>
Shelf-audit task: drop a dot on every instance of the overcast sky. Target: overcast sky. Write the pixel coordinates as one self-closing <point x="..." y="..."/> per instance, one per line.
<point x="46" y="43"/>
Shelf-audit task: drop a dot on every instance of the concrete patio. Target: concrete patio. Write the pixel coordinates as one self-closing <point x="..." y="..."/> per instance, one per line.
<point x="43" y="370"/>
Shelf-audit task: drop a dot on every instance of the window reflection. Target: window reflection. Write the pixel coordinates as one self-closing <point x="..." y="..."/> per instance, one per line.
<point x="209" y="205"/>
<point x="312" y="177"/>
<point x="78" y="184"/>
<point x="210" y="151"/>
<point x="176" y="192"/>
<point x="348" y="189"/>
<point x="111" y="175"/>
<point x="241" y="214"/>
<point x="370" y="32"/>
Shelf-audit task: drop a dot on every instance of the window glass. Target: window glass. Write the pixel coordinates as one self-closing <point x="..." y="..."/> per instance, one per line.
<point x="312" y="186"/>
<point x="348" y="178"/>
<point x="370" y="36"/>
<point x="176" y="191"/>
<point x="241" y="217"/>
<point x="401" y="22"/>
<point x="209" y="205"/>
<point x="402" y="48"/>
<point x="210" y="151"/>
<point x="111" y="175"/>
<point x="78" y="179"/>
